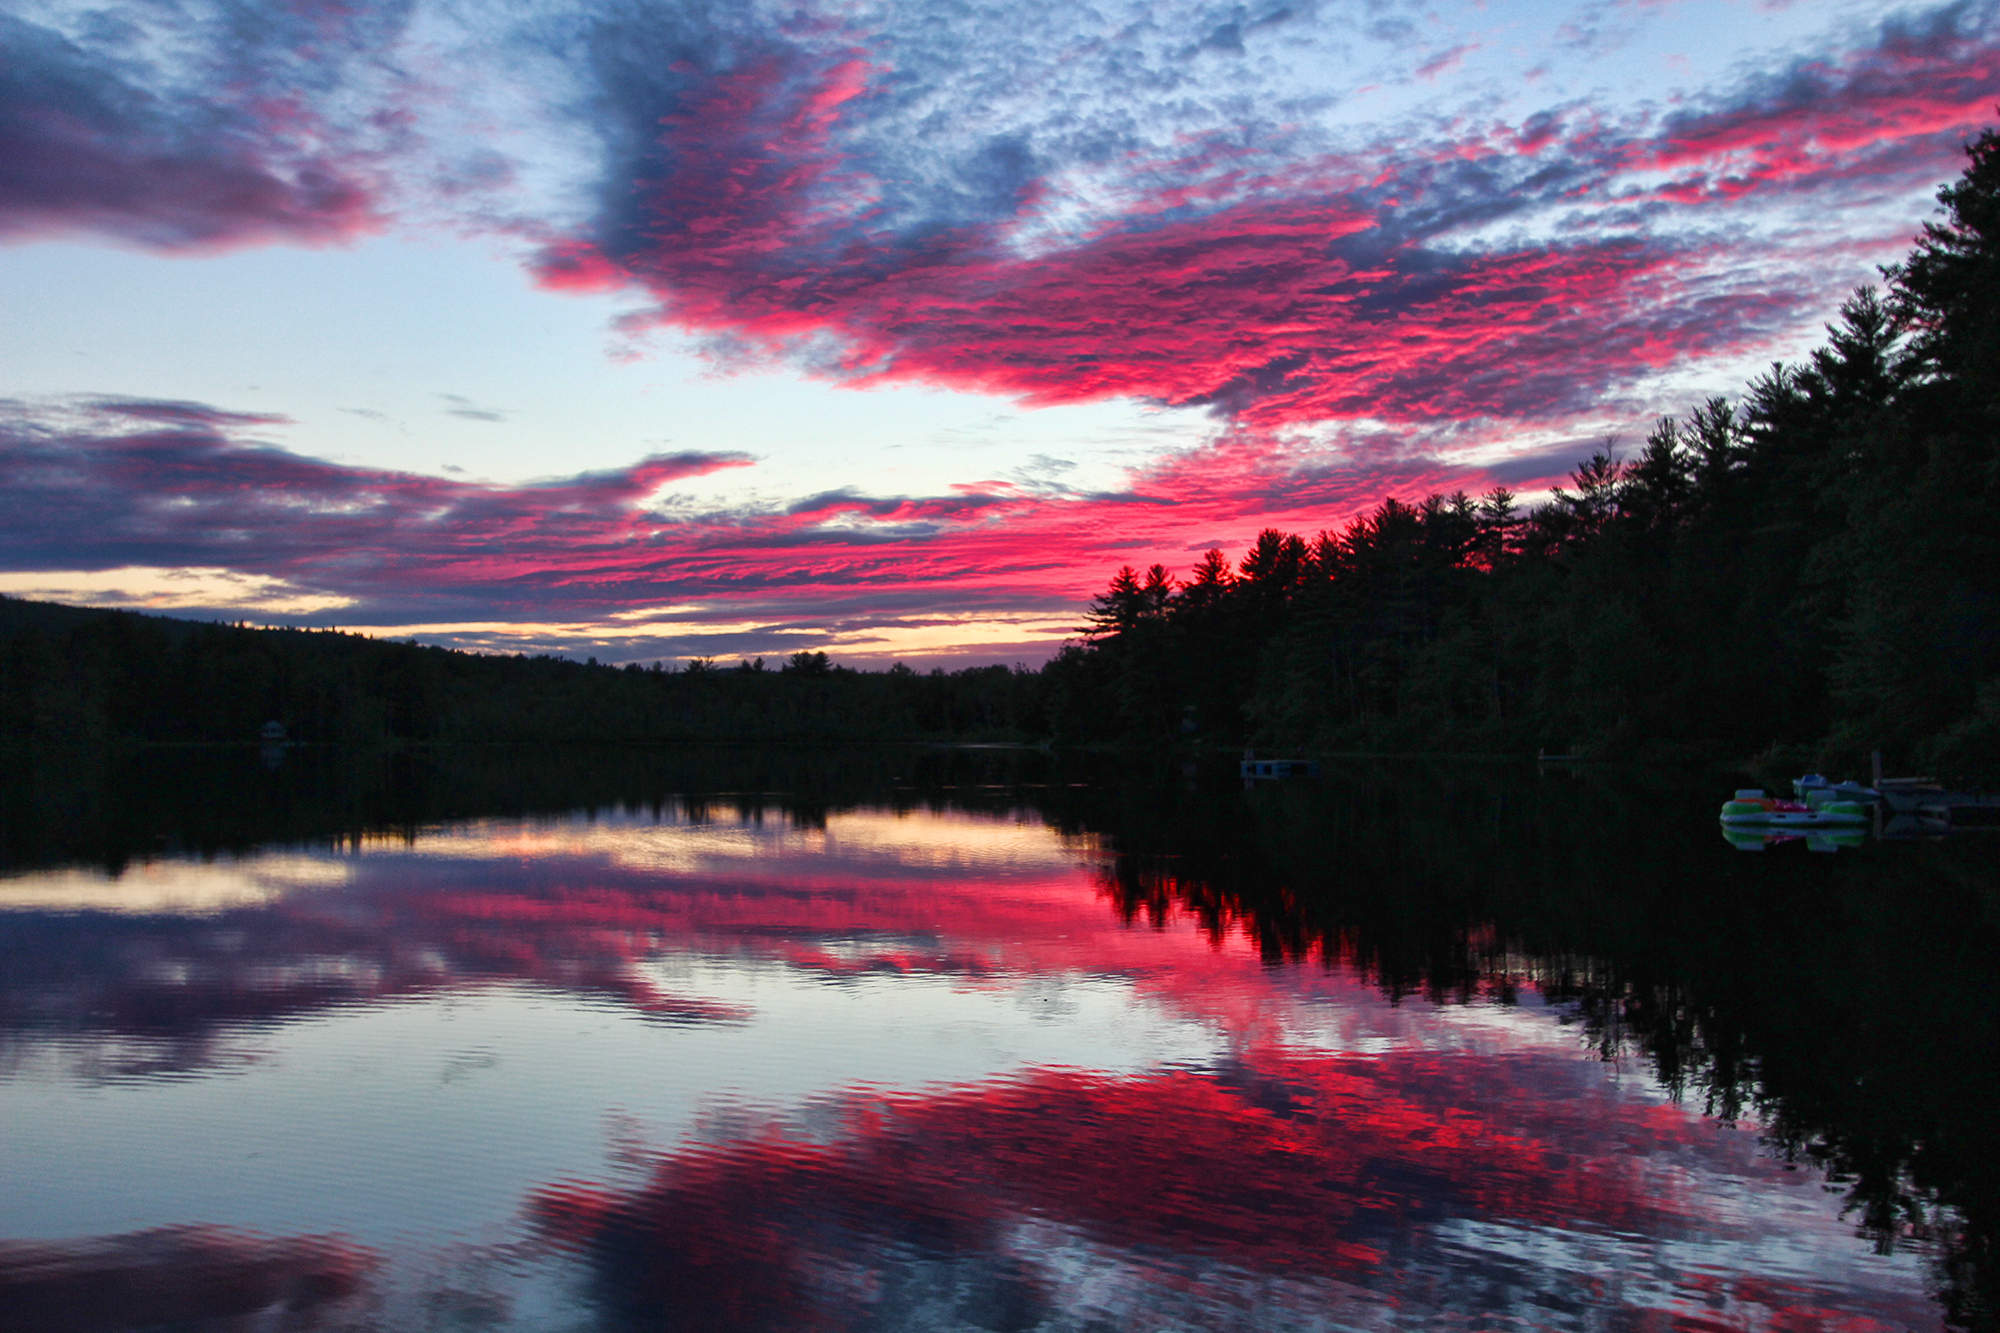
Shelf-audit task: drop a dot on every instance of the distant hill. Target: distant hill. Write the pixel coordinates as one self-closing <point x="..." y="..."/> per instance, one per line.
<point x="72" y="674"/>
<point x="17" y="614"/>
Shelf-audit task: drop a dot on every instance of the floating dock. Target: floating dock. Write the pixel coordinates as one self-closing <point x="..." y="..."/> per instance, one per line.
<point x="1929" y="800"/>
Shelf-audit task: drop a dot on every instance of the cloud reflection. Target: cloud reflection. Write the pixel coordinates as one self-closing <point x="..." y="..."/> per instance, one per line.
<point x="1322" y="1158"/>
<point x="1283" y="1189"/>
<point x="168" y="959"/>
<point x="171" y="888"/>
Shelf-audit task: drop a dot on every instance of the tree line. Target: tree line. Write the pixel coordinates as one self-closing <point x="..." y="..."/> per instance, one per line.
<point x="73" y="675"/>
<point x="1814" y="567"/>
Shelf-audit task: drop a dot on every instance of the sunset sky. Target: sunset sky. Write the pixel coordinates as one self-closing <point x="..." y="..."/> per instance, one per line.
<point x="655" y="328"/>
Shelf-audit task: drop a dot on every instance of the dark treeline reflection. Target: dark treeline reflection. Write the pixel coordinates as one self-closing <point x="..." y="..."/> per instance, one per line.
<point x="196" y="1278"/>
<point x="65" y="806"/>
<point x="1849" y="1003"/>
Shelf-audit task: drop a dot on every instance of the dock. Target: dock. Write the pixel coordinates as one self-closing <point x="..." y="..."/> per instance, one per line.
<point x="1926" y="802"/>
<point x="1928" y="798"/>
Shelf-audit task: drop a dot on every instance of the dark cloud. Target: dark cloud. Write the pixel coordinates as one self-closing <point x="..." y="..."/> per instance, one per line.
<point x="168" y="412"/>
<point x="1548" y="464"/>
<point x="116" y="483"/>
<point x="464" y="407"/>
<point x="180" y="485"/>
<point x="230" y="143"/>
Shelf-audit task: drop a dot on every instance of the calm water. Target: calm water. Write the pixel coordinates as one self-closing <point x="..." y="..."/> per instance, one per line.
<point x="957" y="1040"/>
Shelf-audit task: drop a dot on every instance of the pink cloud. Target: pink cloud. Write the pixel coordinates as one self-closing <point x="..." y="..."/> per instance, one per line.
<point x="1316" y="296"/>
<point x="1445" y="61"/>
<point x="64" y="181"/>
<point x="1899" y="109"/>
<point x="179" y="485"/>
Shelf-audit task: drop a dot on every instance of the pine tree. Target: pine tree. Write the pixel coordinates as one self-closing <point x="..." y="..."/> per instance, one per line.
<point x="1947" y="293"/>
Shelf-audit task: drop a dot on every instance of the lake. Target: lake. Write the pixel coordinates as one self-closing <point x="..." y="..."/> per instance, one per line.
<point x="910" y="1038"/>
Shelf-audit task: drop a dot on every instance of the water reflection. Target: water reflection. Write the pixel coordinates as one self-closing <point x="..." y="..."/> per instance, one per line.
<point x="183" y="1277"/>
<point x="1012" y="1056"/>
<point x="1831" y="840"/>
<point x="1282" y="1188"/>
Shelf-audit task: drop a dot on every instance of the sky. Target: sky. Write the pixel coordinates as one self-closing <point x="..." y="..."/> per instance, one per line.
<point x="652" y="329"/>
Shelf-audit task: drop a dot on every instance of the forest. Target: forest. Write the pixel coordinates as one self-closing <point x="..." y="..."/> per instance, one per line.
<point x="1808" y="573"/>
<point x="74" y="675"/>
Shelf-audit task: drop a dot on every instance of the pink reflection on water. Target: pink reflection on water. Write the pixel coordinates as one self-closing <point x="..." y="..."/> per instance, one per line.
<point x="1406" y="1185"/>
<point x="1335" y="1160"/>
